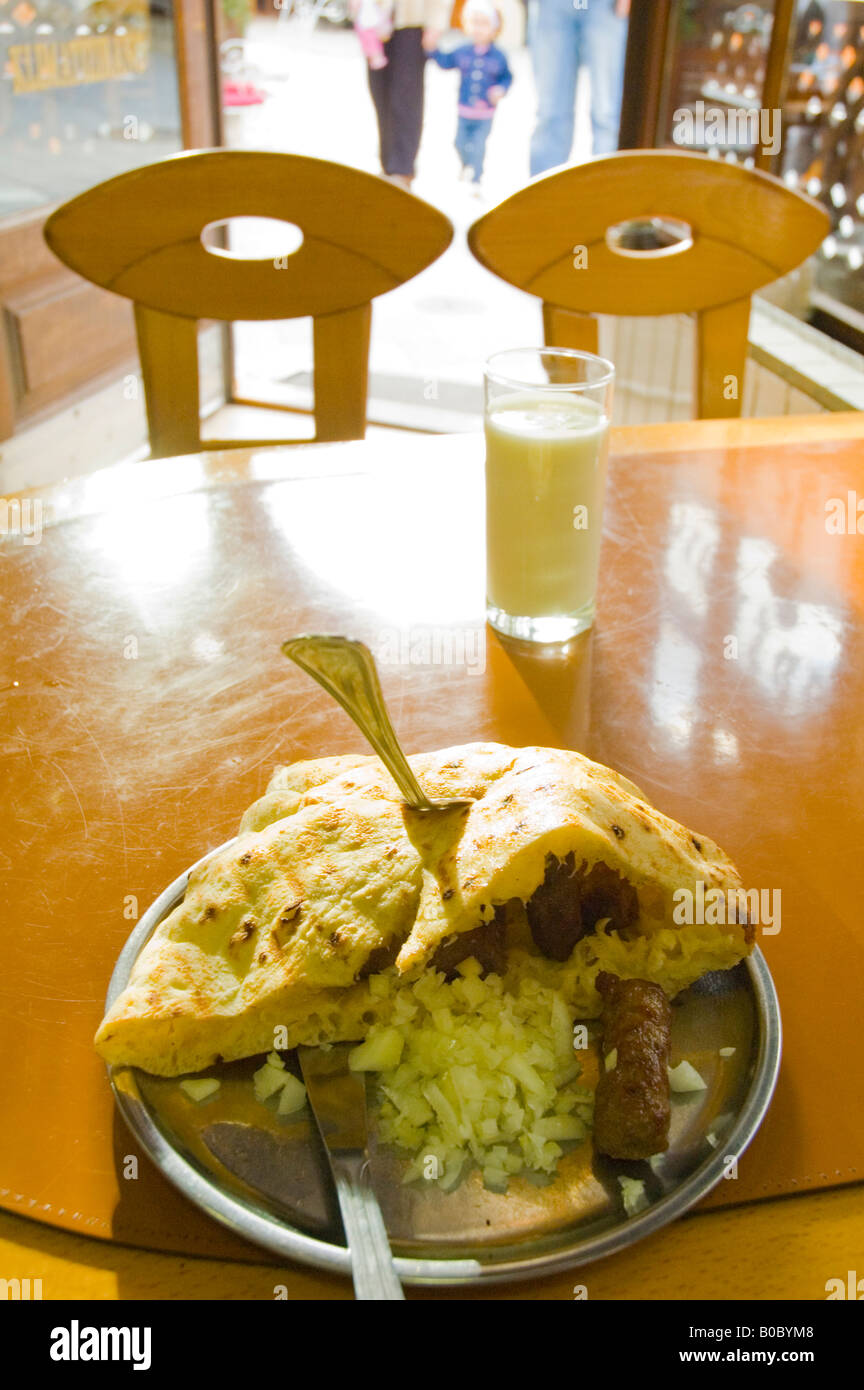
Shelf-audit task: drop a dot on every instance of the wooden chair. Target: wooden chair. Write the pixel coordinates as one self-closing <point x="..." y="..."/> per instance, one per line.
<point x="140" y="235"/>
<point x="573" y="238"/>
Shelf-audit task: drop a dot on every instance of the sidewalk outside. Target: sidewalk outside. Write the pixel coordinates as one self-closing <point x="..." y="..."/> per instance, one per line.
<point x="441" y="326"/>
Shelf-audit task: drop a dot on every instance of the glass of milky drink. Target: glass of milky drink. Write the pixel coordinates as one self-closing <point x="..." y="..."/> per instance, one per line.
<point x="547" y="414"/>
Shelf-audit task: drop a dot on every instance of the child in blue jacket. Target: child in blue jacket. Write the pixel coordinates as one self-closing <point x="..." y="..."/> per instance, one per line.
<point x="484" y="78"/>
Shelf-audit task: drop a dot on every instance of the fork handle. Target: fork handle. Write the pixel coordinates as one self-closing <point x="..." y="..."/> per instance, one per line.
<point x="346" y="670"/>
<point x="375" y="1277"/>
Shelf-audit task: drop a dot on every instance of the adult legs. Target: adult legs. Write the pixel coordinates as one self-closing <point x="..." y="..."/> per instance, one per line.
<point x="605" y="51"/>
<point x="397" y="91"/>
<point x="379" y="90"/>
<point x="556" y="29"/>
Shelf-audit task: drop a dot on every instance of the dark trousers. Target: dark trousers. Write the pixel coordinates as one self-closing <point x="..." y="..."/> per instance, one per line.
<point x="397" y="92"/>
<point x="471" y="137"/>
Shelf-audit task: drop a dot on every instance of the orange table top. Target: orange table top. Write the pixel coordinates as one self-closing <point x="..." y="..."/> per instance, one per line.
<point x="145" y="702"/>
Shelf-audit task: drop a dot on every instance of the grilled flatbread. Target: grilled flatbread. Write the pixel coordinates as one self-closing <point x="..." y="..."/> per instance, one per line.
<point x="560" y="868"/>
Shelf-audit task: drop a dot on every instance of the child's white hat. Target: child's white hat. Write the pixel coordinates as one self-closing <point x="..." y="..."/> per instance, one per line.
<point x="482" y="8"/>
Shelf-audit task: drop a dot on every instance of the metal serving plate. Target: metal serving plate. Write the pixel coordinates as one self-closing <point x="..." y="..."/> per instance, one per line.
<point x="266" y="1178"/>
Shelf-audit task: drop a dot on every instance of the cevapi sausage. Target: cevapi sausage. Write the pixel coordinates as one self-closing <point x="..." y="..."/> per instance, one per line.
<point x="631" y="1105"/>
<point x="487" y="943"/>
<point x="570" y="902"/>
<point x="554" y="910"/>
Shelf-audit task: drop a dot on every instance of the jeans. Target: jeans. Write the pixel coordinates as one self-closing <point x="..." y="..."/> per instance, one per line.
<point x="471" y="137"/>
<point x="562" y="38"/>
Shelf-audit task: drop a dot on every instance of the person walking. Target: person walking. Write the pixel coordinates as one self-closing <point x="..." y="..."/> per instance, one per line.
<point x="564" y="35"/>
<point x="484" y="77"/>
<point x="396" y="85"/>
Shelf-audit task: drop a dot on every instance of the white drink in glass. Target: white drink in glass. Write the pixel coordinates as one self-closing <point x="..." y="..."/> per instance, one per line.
<point x="546" y="454"/>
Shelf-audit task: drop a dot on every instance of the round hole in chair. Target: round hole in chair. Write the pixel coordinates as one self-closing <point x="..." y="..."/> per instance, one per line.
<point x="647" y="238"/>
<point x="251" y="238"/>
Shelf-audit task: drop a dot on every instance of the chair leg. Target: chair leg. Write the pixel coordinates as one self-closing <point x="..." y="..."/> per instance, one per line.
<point x="721" y="359"/>
<point x="168" y="351"/>
<point x="341" y="352"/>
<point x="565" y="328"/>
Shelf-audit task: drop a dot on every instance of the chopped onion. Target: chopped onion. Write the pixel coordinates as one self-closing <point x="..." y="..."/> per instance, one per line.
<point x="685" y="1078"/>
<point x="633" y="1195"/>
<point x="470" y="1072"/>
<point x="199" y="1088"/>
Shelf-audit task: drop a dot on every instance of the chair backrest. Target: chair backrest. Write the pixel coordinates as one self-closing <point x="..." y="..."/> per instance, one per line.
<point x="139" y="234"/>
<point x="572" y="238"/>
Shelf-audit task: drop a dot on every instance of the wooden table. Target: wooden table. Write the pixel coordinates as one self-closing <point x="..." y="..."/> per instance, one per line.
<point x="145" y="703"/>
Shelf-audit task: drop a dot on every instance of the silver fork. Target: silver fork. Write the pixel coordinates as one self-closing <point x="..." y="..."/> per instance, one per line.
<point x="346" y="669"/>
